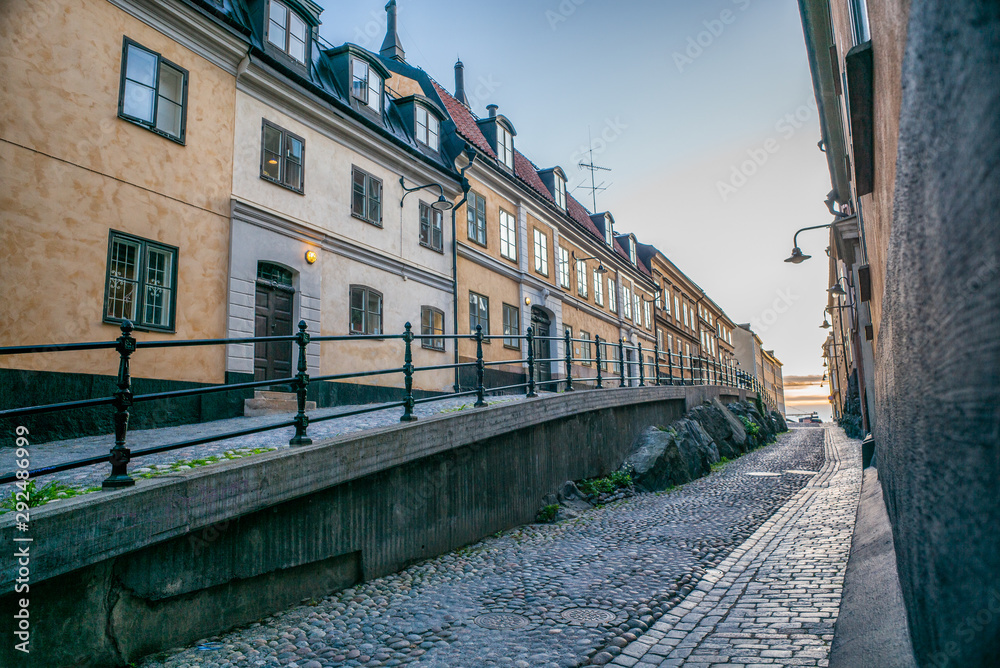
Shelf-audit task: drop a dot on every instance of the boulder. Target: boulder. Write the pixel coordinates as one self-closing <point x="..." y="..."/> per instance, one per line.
<point x="662" y="457"/>
<point x="723" y="427"/>
<point x="748" y="410"/>
<point x="779" y="421"/>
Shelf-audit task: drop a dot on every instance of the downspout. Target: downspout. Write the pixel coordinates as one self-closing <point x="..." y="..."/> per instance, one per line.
<point x="466" y="186"/>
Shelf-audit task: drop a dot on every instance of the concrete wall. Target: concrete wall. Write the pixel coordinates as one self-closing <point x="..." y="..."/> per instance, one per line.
<point x="173" y="560"/>
<point x="937" y="374"/>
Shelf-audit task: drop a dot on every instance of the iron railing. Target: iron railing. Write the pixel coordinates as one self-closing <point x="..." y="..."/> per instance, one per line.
<point x="609" y="356"/>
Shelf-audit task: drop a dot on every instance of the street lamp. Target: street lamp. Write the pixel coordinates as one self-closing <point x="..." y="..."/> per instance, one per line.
<point x="442" y="203"/>
<point x="600" y="265"/>
<point x="836" y="290"/>
<point x="797" y="256"/>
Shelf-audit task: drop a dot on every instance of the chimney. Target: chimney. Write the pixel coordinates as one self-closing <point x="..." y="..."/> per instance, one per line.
<point x="460" y="83"/>
<point x="391" y="46"/>
<point x="492" y="108"/>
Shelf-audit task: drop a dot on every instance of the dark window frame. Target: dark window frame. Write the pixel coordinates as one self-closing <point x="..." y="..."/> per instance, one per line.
<point x="508" y="330"/>
<point x="139" y="322"/>
<point x="585" y="348"/>
<point x="431" y="344"/>
<point x="151" y="125"/>
<point x="368" y="178"/>
<point x="284" y="51"/>
<point x="427" y="224"/>
<point x="472" y="206"/>
<point x="479" y="320"/>
<point x="286" y="135"/>
<point x="366" y="325"/>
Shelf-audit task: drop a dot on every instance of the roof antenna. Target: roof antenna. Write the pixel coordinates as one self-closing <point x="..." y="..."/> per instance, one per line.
<point x="594" y="186"/>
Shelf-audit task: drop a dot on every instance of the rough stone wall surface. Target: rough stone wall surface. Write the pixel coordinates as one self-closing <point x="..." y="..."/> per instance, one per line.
<point x="938" y="358"/>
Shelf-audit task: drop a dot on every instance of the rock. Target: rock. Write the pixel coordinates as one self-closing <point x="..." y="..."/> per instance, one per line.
<point x="662" y="458"/>
<point x="570" y="496"/>
<point x="723" y="427"/>
<point x="780" y="420"/>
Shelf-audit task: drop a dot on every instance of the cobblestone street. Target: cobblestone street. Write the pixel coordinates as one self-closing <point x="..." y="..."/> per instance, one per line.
<point x="742" y="567"/>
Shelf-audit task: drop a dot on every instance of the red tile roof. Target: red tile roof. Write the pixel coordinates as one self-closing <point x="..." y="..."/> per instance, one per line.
<point x="465" y="124"/>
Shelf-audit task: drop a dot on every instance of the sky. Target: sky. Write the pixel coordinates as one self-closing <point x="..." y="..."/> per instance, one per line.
<point x="704" y="112"/>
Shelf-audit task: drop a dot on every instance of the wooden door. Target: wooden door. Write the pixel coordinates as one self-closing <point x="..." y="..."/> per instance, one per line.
<point x="273" y="318"/>
<point x="542" y="326"/>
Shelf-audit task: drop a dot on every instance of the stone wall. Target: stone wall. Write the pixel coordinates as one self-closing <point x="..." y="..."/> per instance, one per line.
<point x="938" y="358"/>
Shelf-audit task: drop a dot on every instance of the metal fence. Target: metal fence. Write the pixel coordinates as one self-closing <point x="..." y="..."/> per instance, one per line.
<point x="615" y="362"/>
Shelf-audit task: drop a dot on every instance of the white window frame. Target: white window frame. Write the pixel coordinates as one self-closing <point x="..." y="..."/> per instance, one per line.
<point x="428" y="127"/>
<point x="598" y="288"/>
<point x="508" y="235"/>
<point x="370" y="93"/>
<point x="612" y="296"/>
<point x="560" y="193"/>
<point x="645" y="313"/>
<point x="288" y="34"/>
<point x="563" y="268"/>
<point x="581" y="278"/>
<point x="541" y="251"/>
<point x="626" y="302"/>
<point x="505" y="146"/>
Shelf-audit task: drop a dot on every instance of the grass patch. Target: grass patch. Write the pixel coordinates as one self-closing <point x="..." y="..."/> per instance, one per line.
<point x="615" y="481"/>
<point x="721" y="463"/>
<point x="548" y="513"/>
<point x="34" y="496"/>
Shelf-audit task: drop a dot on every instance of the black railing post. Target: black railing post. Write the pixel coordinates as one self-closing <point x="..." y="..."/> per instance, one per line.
<point x="670" y="365"/>
<point x="301" y="387"/>
<point x="656" y="360"/>
<point x="691" y="367"/>
<point x="597" y="343"/>
<point x="480" y="370"/>
<point x="120" y="455"/>
<point x="530" y="338"/>
<point x="569" y="361"/>
<point x="408" y="402"/>
<point x="621" y="361"/>
<point x="642" y="365"/>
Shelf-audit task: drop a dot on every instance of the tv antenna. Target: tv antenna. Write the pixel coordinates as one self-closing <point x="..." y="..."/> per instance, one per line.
<point x="593" y="169"/>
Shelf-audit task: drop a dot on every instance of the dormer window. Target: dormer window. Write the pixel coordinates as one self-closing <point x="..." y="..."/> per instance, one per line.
<point x="505" y="147"/>
<point x="366" y="86"/>
<point x="287" y="31"/>
<point x="428" y="128"/>
<point x="609" y="235"/>
<point x="631" y="250"/>
<point x="560" y="192"/>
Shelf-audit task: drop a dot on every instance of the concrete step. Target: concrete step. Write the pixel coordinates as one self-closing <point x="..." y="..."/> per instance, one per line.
<point x="273" y="403"/>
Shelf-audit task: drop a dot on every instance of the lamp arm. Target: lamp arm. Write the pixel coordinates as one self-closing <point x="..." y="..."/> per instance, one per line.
<point x="795" y="239"/>
<point x="402" y="183"/>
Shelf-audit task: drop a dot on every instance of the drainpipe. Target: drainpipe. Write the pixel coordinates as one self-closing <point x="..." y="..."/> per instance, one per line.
<point x="466" y="186"/>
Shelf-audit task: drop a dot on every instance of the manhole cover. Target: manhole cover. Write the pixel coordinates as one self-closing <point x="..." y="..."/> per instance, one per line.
<point x="798" y="472"/>
<point x="764" y="474"/>
<point x="501" y="621"/>
<point x="589" y="615"/>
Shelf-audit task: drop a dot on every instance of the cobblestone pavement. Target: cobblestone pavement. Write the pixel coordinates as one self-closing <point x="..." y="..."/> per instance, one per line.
<point x="774" y="600"/>
<point x="577" y="592"/>
<point x="56" y="452"/>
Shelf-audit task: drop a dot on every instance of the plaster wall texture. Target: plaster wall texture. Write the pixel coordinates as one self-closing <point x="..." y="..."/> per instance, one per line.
<point x="938" y="427"/>
<point x="83" y="171"/>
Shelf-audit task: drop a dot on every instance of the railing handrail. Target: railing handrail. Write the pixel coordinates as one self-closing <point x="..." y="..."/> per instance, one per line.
<point x="709" y="370"/>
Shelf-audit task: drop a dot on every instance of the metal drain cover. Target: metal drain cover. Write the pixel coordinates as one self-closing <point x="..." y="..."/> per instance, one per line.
<point x="501" y="621"/>
<point x="589" y="616"/>
<point x="764" y="474"/>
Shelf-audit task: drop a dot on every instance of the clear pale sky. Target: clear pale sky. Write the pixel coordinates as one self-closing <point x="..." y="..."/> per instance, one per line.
<point x="677" y="94"/>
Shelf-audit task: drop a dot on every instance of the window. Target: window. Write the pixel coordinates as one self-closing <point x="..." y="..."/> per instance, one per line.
<point x="428" y="128"/>
<point x="140" y="282"/>
<point x="475" y="209"/>
<point x="677" y="307"/>
<point x="505" y="147"/>
<point x="636" y="303"/>
<point x="508" y="236"/>
<point x="366" y="310"/>
<point x="479" y="313"/>
<point x="282" y="157"/>
<point x="432" y="324"/>
<point x="598" y="289"/>
<point x="562" y="263"/>
<point x="659" y="340"/>
<point x="287" y="31"/>
<point x="585" y="352"/>
<point x="541" y="253"/>
<point x="686" y="315"/>
<point x="581" y="278"/>
<point x="611" y="296"/>
<point x="626" y="302"/>
<point x="560" y="191"/>
<point x="859" y="21"/>
<point x="366" y="86"/>
<point x="631" y="251"/>
<point x="658" y="297"/>
<point x="153" y="92"/>
<point x="511" y="326"/>
<point x="430" y="228"/>
<point x="645" y="314"/>
<point x="366" y="203"/>
<point x="609" y="238"/>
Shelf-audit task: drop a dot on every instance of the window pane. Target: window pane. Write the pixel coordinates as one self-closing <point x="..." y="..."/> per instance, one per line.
<point x="358" y="202"/>
<point x="357" y="311"/>
<point x="374" y="92"/>
<point x="138" y="101"/>
<point x="374" y="313"/>
<point x="293" y="163"/>
<point x="374" y="200"/>
<point x="422" y="124"/>
<point x="297" y="38"/>
<point x="272" y="153"/>
<point x="277" y="24"/>
<point x="432" y="132"/>
<point x="359" y="82"/>
<point x="141" y="66"/>
<point x="168" y="118"/>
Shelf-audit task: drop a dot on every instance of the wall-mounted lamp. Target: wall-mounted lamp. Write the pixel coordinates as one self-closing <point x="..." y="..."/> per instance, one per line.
<point x="311" y="256"/>
<point x="797" y="255"/>
<point x="826" y="325"/>
<point x="442" y="204"/>
<point x="600" y="265"/>
<point x="527" y="301"/>
<point x="836" y="290"/>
